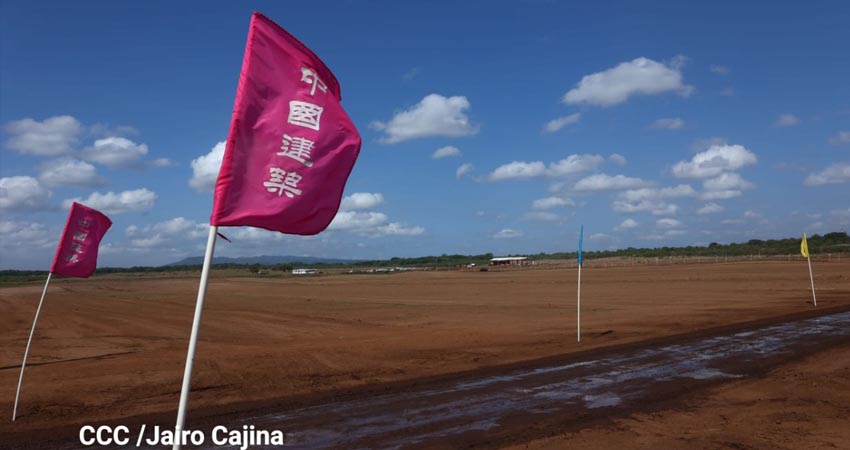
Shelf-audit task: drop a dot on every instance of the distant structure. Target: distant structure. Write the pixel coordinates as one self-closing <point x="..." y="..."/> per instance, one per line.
<point x="511" y="261"/>
<point x="305" y="271"/>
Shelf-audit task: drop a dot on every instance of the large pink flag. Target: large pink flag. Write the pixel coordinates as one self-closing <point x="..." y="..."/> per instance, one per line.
<point x="291" y="146"/>
<point x="76" y="255"/>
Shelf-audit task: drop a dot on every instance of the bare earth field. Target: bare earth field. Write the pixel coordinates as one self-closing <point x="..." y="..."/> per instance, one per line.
<point x="114" y="347"/>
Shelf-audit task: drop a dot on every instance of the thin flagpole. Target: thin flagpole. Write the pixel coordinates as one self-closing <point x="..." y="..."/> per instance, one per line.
<point x="578" y="306"/>
<point x="193" y="339"/>
<point x="812" y="278"/>
<point x="27" y="351"/>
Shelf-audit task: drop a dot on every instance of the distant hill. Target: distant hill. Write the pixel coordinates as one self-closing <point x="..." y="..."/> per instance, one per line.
<point x="265" y="260"/>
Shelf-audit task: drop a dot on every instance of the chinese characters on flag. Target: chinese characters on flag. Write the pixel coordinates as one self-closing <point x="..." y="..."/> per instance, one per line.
<point x="76" y="255"/>
<point x="291" y="146"/>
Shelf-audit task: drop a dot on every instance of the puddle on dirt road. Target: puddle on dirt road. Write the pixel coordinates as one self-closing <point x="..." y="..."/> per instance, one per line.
<point x="451" y="412"/>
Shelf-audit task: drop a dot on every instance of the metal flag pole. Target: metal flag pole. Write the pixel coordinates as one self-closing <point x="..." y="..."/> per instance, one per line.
<point x="27" y="351"/>
<point x="578" y="306"/>
<point x="578" y="301"/>
<point x="812" y="279"/>
<point x="193" y="339"/>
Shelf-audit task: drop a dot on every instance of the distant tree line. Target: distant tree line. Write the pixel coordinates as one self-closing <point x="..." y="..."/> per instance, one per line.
<point x="827" y="243"/>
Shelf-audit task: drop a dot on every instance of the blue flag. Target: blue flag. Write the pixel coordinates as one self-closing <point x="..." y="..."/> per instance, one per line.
<point x="580" y="238"/>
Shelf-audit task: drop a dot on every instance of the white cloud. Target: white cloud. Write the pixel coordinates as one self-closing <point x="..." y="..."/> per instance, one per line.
<point x="627" y="224"/>
<point x="119" y="152"/>
<point x="518" y="170"/>
<point x="373" y="224"/>
<point x="843" y="137"/>
<point x="444" y="152"/>
<point x="172" y="233"/>
<point x="22" y="194"/>
<point x="116" y="203"/>
<point x="710" y="208"/>
<point x="556" y="124"/>
<point x="714" y="161"/>
<point x="834" y="174"/>
<point x="572" y="164"/>
<point x="599" y="237"/>
<point x="750" y="214"/>
<point x="435" y="115"/>
<point x="508" y="233"/>
<point x="69" y="172"/>
<point x="722" y="70"/>
<point x="205" y="169"/>
<point x="551" y="202"/>
<point x="720" y="195"/>
<point x="673" y="123"/>
<point x="617" y="159"/>
<point x="361" y="200"/>
<point x="603" y="182"/>
<point x="786" y="120"/>
<point x="726" y="182"/>
<point x="636" y="195"/>
<point x="668" y="223"/>
<point x="28" y="235"/>
<point x="54" y="136"/>
<point x="463" y="170"/>
<point x="617" y="84"/>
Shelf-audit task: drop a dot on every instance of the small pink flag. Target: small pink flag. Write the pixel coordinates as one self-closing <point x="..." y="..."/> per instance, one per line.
<point x="291" y="146"/>
<point x="76" y="255"/>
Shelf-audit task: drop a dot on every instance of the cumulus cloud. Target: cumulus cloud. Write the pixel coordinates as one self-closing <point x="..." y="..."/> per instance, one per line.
<point x="721" y="195"/>
<point x="169" y="233"/>
<point x="69" y="172"/>
<point x="726" y="182"/>
<point x="542" y="216"/>
<point x="714" y="161"/>
<point x="205" y="169"/>
<point x="463" y="170"/>
<point x="507" y="233"/>
<point x="116" y="203"/>
<point x="556" y="124"/>
<point x="573" y="164"/>
<point x="627" y="224"/>
<point x="651" y="200"/>
<point x="373" y="224"/>
<point x="834" y="174"/>
<point x="604" y="182"/>
<point x="27" y="235"/>
<point x="361" y="200"/>
<point x="641" y="76"/>
<point x="843" y="137"/>
<point x="22" y="194"/>
<point x="786" y="120"/>
<point x="51" y="137"/>
<point x="435" y="115"/>
<point x="119" y="152"/>
<point x="551" y="203"/>
<point x="668" y="223"/>
<point x="617" y="159"/>
<point x="673" y="123"/>
<point x="445" y="152"/>
<point x="710" y="208"/>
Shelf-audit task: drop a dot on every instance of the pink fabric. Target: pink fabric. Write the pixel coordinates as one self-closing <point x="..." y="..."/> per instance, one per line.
<point x="76" y="255"/>
<point x="287" y="101"/>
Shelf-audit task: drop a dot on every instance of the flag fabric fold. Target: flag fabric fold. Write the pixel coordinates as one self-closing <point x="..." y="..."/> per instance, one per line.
<point x="291" y="146"/>
<point x="76" y="254"/>
<point x="580" y="239"/>
<point x="804" y="247"/>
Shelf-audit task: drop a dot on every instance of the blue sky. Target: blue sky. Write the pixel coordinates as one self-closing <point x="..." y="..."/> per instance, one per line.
<point x="658" y="124"/>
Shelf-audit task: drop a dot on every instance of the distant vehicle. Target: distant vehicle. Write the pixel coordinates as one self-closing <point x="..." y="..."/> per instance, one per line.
<point x="305" y="271"/>
<point x="470" y="265"/>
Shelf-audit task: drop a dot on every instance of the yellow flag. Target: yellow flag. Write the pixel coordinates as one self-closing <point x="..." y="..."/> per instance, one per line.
<point x="804" y="247"/>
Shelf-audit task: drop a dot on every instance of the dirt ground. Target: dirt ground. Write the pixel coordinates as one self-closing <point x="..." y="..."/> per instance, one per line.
<point x="113" y="347"/>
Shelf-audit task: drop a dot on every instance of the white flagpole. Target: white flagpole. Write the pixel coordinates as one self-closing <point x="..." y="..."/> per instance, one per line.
<point x="578" y="306"/>
<point x="27" y="351"/>
<point x="193" y="339"/>
<point x="812" y="278"/>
